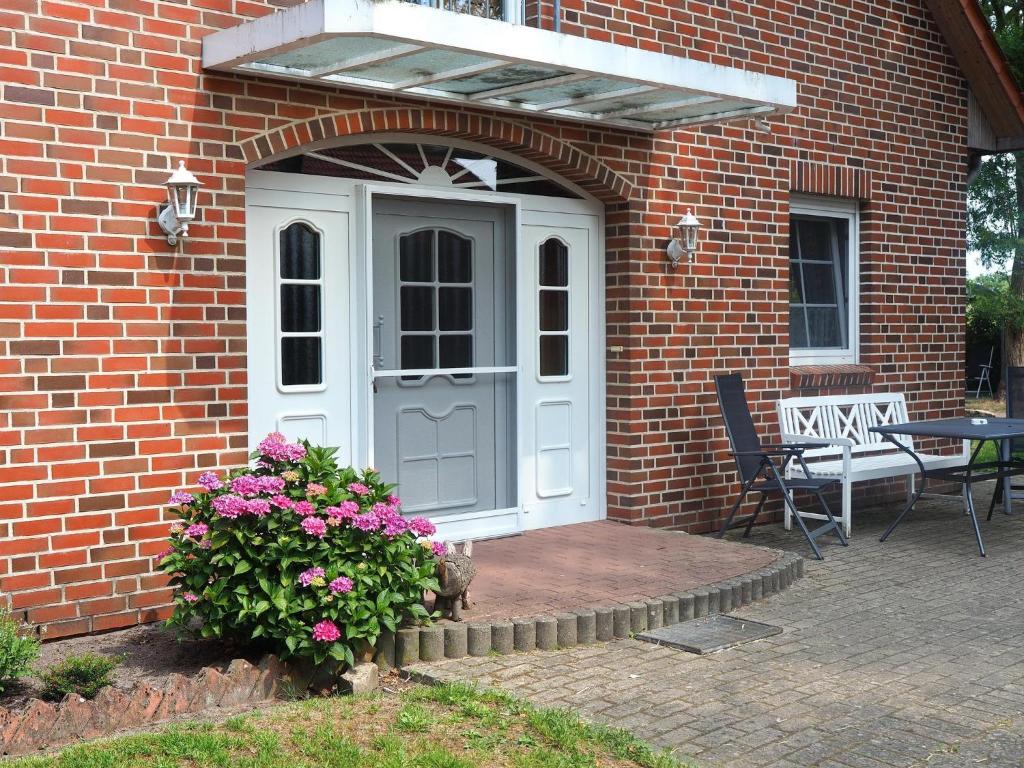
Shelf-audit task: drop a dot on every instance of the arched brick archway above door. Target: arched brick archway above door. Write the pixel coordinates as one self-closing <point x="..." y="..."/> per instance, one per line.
<point x="555" y="154"/>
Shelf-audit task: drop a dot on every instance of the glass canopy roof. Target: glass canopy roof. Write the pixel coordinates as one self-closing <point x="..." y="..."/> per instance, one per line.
<point x="397" y="47"/>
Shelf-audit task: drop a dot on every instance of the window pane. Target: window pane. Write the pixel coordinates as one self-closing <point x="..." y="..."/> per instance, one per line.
<point x="554" y="263"/>
<point x="300" y="361"/>
<point x="796" y="291"/>
<point x="455" y="309"/>
<point x="554" y="355"/>
<point x="417" y="352"/>
<point x="454" y="258"/>
<point x="300" y="308"/>
<point x="456" y="351"/>
<point x="417" y="310"/>
<point x="416" y="257"/>
<point x="815" y="239"/>
<point x="554" y="310"/>
<point x="819" y="283"/>
<point x="797" y="328"/>
<point x="823" y="326"/>
<point x="300" y="252"/>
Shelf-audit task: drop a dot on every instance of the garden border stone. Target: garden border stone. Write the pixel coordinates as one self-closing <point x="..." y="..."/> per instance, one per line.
<point x="43" y="726"/>
<point x="603" y="623"/>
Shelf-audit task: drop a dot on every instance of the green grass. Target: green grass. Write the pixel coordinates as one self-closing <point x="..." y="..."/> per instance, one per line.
<point x="446" y="726"/>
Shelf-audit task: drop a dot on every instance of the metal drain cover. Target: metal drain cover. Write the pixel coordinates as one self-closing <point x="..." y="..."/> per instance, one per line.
<point x="707" y="635"/>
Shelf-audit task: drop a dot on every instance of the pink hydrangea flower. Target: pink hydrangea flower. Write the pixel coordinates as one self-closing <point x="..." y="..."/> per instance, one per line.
<point x="439" y="549"/>
<point x="422" y="527"/>
<point x="274" y="446"/>
<point x="258" y="507"/>
<point x="394" y="526"/>
<point x="304" y="508"/>
<point x="344" y="511"/>
<point x="230" y="506"/>
<point x="181" y="497"/>
<point x="190" y="597"/>
<point x="210" y="481"/>
<point x="394" y="501"/>
<point x="250" y="485"/>
<point x="205" y="544"/>
<point x="341" y="585"/>
<point x="282" y="501"/>
<point x="166" y="553"/>
<point x="358" y="489"/>
<point x="315" y="489"/>
<point x="311" y="575"/>
<point x="197" y="531"/>
<point x="315" y="526"/>
<point x="177" y="527"/>
<point x="326" y="632"/>
<point x="367" y="522"/>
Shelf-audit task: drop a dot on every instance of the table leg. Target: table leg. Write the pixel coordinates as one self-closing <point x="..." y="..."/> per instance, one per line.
<point x="1004" y="455"/>
<point x="917" y="493"/>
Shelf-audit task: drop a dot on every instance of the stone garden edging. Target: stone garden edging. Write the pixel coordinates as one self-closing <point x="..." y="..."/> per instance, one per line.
<point x="453" y="640"/>
<point x="42" y="726"/>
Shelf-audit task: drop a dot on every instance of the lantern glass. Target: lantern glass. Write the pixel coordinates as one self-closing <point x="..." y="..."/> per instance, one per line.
<point x="690" y="236"/>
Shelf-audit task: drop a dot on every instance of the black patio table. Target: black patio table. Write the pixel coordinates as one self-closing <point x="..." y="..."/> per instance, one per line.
<point x="1000" y="431"/>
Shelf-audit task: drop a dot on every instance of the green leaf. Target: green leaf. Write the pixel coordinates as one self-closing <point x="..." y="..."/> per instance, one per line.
<point x="243" y="566"/>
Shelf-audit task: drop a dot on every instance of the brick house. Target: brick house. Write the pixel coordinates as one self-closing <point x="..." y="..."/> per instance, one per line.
<point x="438" y="241"/>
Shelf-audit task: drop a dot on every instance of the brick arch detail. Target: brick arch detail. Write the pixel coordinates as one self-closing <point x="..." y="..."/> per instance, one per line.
<point x="553" y="153"/>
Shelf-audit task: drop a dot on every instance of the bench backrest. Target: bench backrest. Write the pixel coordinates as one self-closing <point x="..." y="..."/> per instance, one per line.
<point x="850" y="416"/>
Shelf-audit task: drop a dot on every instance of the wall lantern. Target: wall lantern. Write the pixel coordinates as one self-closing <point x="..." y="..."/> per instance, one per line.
<point x="685" y="241"/>
<point x="180" y="208"/>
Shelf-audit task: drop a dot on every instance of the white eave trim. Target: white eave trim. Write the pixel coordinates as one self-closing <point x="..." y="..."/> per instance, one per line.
<point x="412" y="28"/>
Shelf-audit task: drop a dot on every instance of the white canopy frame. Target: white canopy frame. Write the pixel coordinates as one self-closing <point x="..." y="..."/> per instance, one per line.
<point x="401" y="48"/>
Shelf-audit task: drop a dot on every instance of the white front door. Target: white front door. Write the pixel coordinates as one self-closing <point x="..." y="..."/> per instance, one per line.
<point x="444" y="378"/>
<point x="460" y="350"/>
<point x="299" y="316"/>
<point x="562" y="382"/>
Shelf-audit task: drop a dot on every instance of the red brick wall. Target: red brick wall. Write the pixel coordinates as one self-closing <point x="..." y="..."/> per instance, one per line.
<point x="122" y="373"/>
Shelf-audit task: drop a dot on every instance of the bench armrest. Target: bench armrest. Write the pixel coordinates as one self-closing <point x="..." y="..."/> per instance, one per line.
<point x="809" y="440"/>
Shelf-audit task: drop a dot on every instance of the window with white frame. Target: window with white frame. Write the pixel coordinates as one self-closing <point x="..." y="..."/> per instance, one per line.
<point x="823" y="265"/>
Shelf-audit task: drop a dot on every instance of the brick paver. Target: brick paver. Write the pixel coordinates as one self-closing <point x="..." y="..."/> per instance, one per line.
<point x="591" y="564"/>
<point x="902" y="654"/>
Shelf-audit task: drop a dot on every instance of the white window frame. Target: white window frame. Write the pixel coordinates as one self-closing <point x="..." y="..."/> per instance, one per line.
<point x="837" y="208"/>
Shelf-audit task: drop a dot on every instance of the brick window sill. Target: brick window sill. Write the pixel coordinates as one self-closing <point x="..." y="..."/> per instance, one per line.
<point x="829" y="376"/>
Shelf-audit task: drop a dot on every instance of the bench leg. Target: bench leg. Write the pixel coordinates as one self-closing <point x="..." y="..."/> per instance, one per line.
<point x="787" y="520"/>
<point x="847" y="513"/>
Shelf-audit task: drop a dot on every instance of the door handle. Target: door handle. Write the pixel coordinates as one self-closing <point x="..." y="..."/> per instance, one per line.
<point x="378" y="351"/>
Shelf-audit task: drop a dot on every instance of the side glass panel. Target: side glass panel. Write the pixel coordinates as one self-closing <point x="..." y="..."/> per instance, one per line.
<point x="435" y="301"/>
<point x="553" y="308"/>
<point x="300" y="306"/>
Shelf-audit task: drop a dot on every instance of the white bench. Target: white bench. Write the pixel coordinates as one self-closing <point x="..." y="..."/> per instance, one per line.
<point x="850" y="451"/>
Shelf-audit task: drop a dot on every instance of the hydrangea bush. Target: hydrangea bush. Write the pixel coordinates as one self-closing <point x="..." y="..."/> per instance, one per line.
<point x="315" y="559"/>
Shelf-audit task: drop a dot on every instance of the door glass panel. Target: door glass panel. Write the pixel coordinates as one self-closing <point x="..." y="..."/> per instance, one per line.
<point x="416" y="257"/>
<point x="300" y="252"/>
<point x="554" y="355"/>
<point x="417" y="352"/>
<point x="554" y="310"/>
<point x="417" y="308"/>
<point x="554" y="263"/>
<point x="300" y="307"/>
<point x="454" y="260"/>
<point x="456" y="352"/>
<point x="300" y="360"/>
<point x="455" y="309"/>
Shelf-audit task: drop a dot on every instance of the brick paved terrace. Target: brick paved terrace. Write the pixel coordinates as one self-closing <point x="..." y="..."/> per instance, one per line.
<point x="589" y="564"/>
<point x="904" y="654"/>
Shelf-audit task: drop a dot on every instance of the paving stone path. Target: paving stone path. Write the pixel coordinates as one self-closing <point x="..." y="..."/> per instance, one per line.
<point x="904" y="654"/>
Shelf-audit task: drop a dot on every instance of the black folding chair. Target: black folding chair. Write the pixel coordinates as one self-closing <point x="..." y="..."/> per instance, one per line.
<point x="758" y="471"/>
<point x="1014" y="387"/>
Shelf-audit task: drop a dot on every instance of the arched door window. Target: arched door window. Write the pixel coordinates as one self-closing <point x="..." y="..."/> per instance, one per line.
<point x="300" y="310"/>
